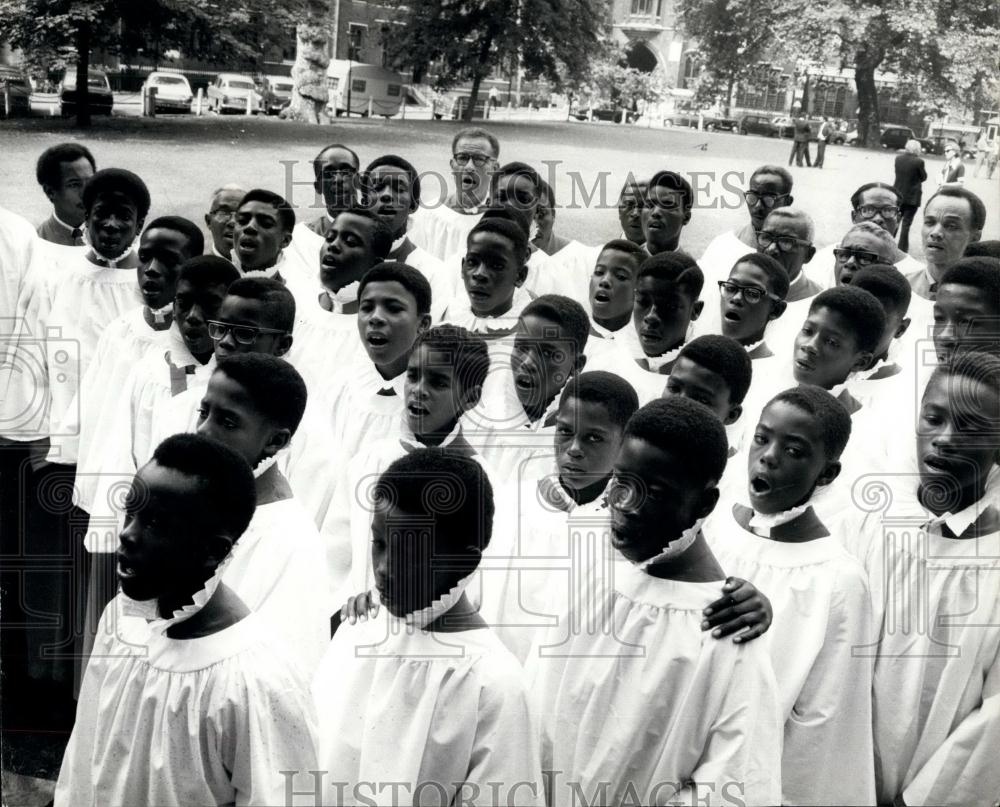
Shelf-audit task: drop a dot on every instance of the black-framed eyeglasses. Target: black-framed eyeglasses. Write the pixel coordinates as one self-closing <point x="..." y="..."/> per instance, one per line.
<point x="871" y="211"/>
<point x="243" y="334"/>
<point x="222" y="213"/>
<point x="861" y="257"/>
<point x="769" y="200"/>
<point x="751" y="294"/>
<point x="786" y="243"/>
<point x="478" y="160"/>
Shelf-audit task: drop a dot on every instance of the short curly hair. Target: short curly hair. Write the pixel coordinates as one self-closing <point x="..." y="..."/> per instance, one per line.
<point x="725" y="357"/>
<point x="828" y="412"/>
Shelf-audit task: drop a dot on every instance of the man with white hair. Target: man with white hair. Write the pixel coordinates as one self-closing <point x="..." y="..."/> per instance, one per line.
<point x="221" y="216"/>
<point x="910" y="177"/>
<point x="865" y="244"/>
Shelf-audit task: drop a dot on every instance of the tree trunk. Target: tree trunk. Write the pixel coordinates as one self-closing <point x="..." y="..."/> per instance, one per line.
<point x="309" y="85"/>
<point x="83" y="75"/>
<point x="729" y="97"/>
<point x="482" y="70"/>
<point x="869" y="126"/>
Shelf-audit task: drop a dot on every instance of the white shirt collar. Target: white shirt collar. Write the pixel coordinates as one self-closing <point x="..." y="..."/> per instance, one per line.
<point x="460" y="313"/>
<point x="410" y="441"/>
<point x="656" y="362"/>
<point x="796" y="284"/>
<point x="342" y="297"/>
<point x="765" y="522"/>
<point x="370" y="382"/>
<point x="958" y="522"/>
<point x="62" y="223"/>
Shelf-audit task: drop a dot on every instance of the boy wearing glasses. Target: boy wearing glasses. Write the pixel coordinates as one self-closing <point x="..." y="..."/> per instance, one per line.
<point x="770" y="188"/>
<point x="751" y="299"/>
<point x="443" y="229"/>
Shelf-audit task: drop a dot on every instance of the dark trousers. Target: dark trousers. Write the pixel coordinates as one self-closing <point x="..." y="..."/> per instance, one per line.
<point x="907" y="212"/>
<point x="820" y="154"/>
<point x="800" y="149"/>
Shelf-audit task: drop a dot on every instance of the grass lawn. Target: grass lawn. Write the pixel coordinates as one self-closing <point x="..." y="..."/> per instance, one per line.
<point x="183" y="158"/>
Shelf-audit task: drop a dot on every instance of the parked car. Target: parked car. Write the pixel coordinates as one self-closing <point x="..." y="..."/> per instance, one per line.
<point x="277" y="93"/>
<point x="719" y="123"/>
<point x="939" y="133"/>
<point x="230" y="91"/>
<point x="758" y="125"/>
<point x="894" y="137"/>
<point x="100" y="99"/>
<point x="15" y="84"/>
<point x="173" y="91"/>
<point x="605" y="112"/>
<point x="689" y="119"/>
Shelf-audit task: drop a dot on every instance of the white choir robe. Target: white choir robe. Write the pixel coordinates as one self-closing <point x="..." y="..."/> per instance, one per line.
<point x="619" y="360"/>
<point x="637" y="703"/>
<point x="92" y="416"/>
<point x="574" y="266"/>
<point x="347" y="528"/>
<point x="278" y="569"/>
<point x="299" y="277"/>
<point x="325" y="342"/>
<point x="822" y="268"/>
<point x="171" y="722"/>
<point x="440" y="230"/>
<point x="937" y="662"/>
<point x="545" y="276"/>
<point x="304" y="250"/>
<point x="526" y="570"/>
<point x="721" y="255"/>
<point x="436" y="274"/>
<point x="20" y="248"/>
<point x="458" y="312"/>
<point x="305" y="463"/>
<point x="356" y="411"/>
<point x="822" y="610"/>
<point x="782" y="331"/>
<point x="64" y="308"/>
<point x="443" y="715"/>
<point x="162" y="373"/>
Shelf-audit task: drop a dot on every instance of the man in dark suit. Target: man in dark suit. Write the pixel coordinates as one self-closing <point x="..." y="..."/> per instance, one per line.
<point x="802" y="133"/>
<point x="910" y="176"/>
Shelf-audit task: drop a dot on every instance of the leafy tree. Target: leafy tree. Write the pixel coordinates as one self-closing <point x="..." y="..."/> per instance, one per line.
<point x="74" y="28"/>
<point x="468" y="40"/>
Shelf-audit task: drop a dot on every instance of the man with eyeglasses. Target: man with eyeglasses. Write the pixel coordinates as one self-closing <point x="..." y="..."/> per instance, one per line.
<point x="336" y="179"/>
<point x="881" y="205"/>
<point x="770" y="188"/>
<point x="220" y="218"/>
<point x="442" y="229"/>
<point x="864" y="245"/>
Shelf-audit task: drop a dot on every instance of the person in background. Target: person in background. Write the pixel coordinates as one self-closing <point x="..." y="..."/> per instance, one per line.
<point x="910" y="176"/>
<point x="953" y="170"/>
<point x="825" y="130"/>
<point x="800" y="145"/>
<point x="983" y="149"/>
<point x="62" y="171"/>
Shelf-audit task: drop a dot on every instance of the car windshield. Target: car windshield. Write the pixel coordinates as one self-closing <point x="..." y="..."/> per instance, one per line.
<point x="168" y="80"/>
<point x="236" y="84"/>
<point x="282" y="86"/>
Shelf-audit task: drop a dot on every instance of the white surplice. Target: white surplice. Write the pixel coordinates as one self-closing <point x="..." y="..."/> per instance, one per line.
<point x="324" y="343"/>
<point x="278" y="568"/>
<point x="937" y="662"/>
<point x="440" y="230"/>
<point x="441" y="714"/>
<point x="574" y="266"/>
<point x="64" y="308"/>
<point x="212" y="720"/>
<point x="822" y="610"/>
<point x="356" y="410"/>
<point x="637" y="703"/>
<point x="721" y="255"/>
<point x="545" y="276"/>
<point x="19" y="248"/>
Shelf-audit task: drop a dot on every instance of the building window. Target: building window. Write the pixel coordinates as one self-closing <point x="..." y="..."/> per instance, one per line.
<point x="355" y="41"/>
<point x="646" y="8"/>
<point x="766" y="93"/>
<point x="358" y="85"/>
<point x="692" y="69"/>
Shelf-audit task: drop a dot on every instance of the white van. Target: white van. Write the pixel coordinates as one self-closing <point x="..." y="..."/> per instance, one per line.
<point x="366" y="86"/>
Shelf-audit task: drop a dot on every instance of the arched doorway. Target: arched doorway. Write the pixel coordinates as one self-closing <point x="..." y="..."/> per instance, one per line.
<point x="641" y="57"/>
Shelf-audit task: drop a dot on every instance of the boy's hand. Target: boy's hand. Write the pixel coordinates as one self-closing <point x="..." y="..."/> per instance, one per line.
<point x="741" y="608"/>
<point x="358" y="608"/>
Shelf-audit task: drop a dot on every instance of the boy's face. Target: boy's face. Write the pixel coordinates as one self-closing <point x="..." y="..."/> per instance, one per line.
<point x="228" y="414"/>
<point x="194" y="306"/>
<point x="258" y="235"/>
<point x="690" y="380"/>
<point x="244" y="312"/>
<point x="958" y="435"/>
<point x="156" y="553"/>
<point x="516" y="191"/>
<point x="612" y="285"/>
<point x="663" y="218"/>
<point x="787" y="459"/>
<point x="826" y="350"/>
<point x="435" y="398"/>
<point x="388" y="322"/>
<point x="542" y="360"/>
<point x="220" y="219"/>
<point x="630" y="211"/>
<point x="346" y="253"/>
<point x="67" y="199"/>
<point x="653" y="499"/>
<point x="545" y="220"/>
<point x="389" y="195"/>
<point x="491" y="271"/>
<point x="662" y="314"/>
<point x="964" y="318"/>
<point x="586" y="443"/>
<point x="161" y="252"/>
<point x="113" y="224"/>
<point x="947" y="230"/>
<point x="742" y="320"/>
